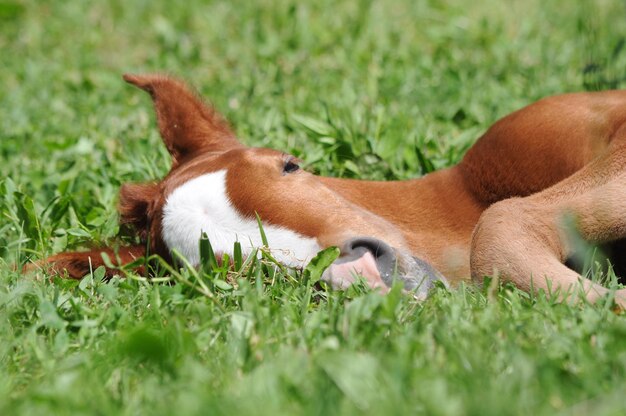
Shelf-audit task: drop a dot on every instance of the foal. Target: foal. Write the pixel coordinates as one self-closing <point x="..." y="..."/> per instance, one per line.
<point x="498" y="212"/>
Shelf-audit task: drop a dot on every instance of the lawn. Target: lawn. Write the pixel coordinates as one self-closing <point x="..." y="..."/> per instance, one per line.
<point x="369" y="89"/>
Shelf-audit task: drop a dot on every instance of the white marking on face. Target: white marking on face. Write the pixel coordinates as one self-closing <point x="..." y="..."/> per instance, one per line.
<point x="202" y="205"/>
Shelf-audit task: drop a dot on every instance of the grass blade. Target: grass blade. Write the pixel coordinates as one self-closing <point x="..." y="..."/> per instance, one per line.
<point x="263" y="236"/>
<point x="237" y="256"/>
<point x="208" y="260"/>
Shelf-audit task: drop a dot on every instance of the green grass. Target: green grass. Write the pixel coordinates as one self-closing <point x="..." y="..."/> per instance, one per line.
<point x="354" y="88"/>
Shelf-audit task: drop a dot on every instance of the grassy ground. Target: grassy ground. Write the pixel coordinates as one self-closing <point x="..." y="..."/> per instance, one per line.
<point x="355" y="88"/>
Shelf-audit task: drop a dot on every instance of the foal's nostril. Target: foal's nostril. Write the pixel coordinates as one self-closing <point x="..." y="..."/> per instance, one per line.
<point x="384" y="255"/>
<point x="377" y="247"/>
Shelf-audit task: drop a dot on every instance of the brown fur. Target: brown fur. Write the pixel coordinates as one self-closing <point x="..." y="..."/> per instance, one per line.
<point x="78" y="264"/>
<point x="563" y="154"/>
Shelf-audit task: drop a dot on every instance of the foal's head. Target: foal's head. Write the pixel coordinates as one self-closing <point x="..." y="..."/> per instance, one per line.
<point x="219" y="186"/>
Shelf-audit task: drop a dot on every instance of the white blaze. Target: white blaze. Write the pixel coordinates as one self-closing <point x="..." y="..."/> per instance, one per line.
<point x="202" y="205"/>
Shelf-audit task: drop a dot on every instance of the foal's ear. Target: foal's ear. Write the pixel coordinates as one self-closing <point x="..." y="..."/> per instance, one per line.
<point x="136" y="205"/>
<point x="186" y="123"/>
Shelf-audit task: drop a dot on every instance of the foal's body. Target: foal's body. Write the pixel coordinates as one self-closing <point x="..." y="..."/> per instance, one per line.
<point x="522" y="154"/>
<point x="498" y="211"/>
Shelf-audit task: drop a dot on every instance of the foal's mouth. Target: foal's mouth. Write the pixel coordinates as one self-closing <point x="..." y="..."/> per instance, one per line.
<point x="381" y="265"/>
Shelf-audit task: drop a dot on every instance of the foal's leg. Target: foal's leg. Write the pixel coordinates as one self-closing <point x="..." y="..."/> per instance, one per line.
<point x="524" y="240"/>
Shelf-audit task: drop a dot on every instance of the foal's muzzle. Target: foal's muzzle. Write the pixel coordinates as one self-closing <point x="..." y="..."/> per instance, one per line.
<point x="380" y="265"/>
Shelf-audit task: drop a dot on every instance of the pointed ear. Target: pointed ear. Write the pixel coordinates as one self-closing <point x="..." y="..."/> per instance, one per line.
<point x="186" y="123"/>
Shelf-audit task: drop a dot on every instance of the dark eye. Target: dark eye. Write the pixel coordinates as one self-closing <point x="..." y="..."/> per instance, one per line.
<point x="290" y="166"/>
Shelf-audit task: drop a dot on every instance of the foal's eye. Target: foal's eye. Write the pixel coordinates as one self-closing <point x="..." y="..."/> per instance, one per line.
<point x="290" y="166"/>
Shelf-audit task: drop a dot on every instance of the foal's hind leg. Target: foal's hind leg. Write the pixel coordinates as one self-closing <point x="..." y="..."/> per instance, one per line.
<point x="524" y="240"/>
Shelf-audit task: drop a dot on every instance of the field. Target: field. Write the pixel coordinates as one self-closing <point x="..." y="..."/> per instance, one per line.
<point x="369" y="89"/>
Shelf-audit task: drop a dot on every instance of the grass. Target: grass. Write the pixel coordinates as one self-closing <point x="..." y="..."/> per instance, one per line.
<point x="364" y="89"/>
